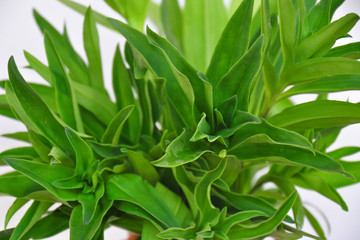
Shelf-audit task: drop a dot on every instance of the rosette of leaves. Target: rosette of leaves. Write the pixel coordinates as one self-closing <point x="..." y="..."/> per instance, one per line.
<point x="201" y="121"/>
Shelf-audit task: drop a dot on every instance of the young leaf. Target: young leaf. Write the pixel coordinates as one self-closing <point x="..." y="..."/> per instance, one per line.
<point x="319" y="43"/>
<point x="267" y="226"/>
<point x="131" y="188"/>
<point x="84" y="153"/>
<point x="45" y="174"/>
<point x="92" y="49"/>
<point x="240" y="77"/>
<point x="36" y="110"/>
<point x="65" y="98"/>
<point x="80" y="231"/>
<point x="32" y="215"/>
<point x="233" y="42"/>
<point x="113" y="131"/>
<point x="201" y="31"/>
<point x="89" y="203"/>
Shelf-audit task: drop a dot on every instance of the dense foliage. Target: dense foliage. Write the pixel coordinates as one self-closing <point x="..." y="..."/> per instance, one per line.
<point x="201" y="122"/>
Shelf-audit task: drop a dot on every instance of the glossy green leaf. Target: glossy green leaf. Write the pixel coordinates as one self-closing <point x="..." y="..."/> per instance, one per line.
<point x="233" y="43"/>
<point x="319" y="15"/>
<point x="16" y="205"/>
<point x="122" y="85"/>
<point x="351" y="50"/>
<point x="181" y="151"/>
<point x="131" y="188"/>
<point x="77" y="67"/>
<point x="92" y="49"/>
<point x="80" y="231"/>
<point x="315" y="224"/>
<point x="142" y="166"/>
<point x="149" y="232"/>
<point x="171" y="16"/>
<point x="202" y="88"/>
<point x="326" y="85"/>
<point x="39" y="67"/>
<point x="65" y="99"/>
<point x="158" y="63"/>
<point x="286" y="154"/>
<point x="182" y="233"/>
<point x="114" y="129"/>
<point x="201" y="30"/>
<point x="83" y="152"/>
<point x="287" y="17"/>
<point x="319" y="43"/>
<point x="37" y="111"/>
<point x="21" y="152"/>
<point x="48" y="226"/>
<point x="317" y="114"/>
<point x="343" y="152"/>
<point x="89" y="203"/>
<point x="267" y="226"/>
<point x="208" y="214"/>
<point x="44" y="175"/>
<point x="246" y="69"/>
<point x="32" y="215"/>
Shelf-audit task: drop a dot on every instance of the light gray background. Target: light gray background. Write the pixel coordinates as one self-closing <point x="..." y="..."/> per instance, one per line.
<point x="19" y="32"/>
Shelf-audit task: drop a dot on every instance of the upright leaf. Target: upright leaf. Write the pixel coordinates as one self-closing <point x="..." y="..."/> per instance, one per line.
<point x="233" y="43"/>
<point x="172" y="21"/>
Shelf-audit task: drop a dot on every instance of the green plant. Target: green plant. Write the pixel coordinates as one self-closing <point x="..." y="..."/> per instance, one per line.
<point x="198" y="116"/>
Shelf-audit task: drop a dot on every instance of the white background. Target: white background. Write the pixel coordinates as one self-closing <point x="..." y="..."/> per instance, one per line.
<point x="18" y="32"/>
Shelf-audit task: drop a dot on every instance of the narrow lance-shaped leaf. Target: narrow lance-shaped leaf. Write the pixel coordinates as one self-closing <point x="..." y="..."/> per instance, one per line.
<point x="37" y="111"/>
<point x="171" y="16"/>
<point x="89" y="203"/>
<point x="113" y="131"/>
<point x="319" y="43"/>
<point x="208" y="214"/>
<point x="92" y="49"/>
<point x="201" y="31"/>
<point x="267" y="226"/>
<point x="39" y="67"/>
<point x="317" y="114"/>
<point x="239" y="79"/>
<point x="351" y="50"/>
<point x="287" y="16"/>
<point x="45" y="174"/>
<point x="317" y="68"/>
<point x="17" y="204"/>
<point x="142" y="166"/>
<point x="233" y="42"/>
<point x="158" y="63"/>
<point x="64" y="93"/>
<point x="32" y="215"/>
<point x="18" y="185"/>
<point x="84" y="153"/>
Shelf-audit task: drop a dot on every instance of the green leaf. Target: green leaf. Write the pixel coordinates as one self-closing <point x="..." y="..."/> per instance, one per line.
<point x="149" y="232"/>
<point x="36" y="110"/>
<point x="99" y="18"/>
<point x="327" y="84"/>
<point x="89" y="203"/>
<point x="65" y="99"/>
<point x="32" y="215"/>
<point x="315" y="224"/>
<point x="80" y="231"/>
<point x="131" y="188"/>
<point x="287" y="16"/>
<point x="113" y="131"/>
<point x="171" y="16"/>
<point x="351" y="50"/>
<point x="321" y="186"/>
<point x="319" y="43"/>
<point x="181" y="151"/>
<point x="246" y="69"/>
<point x="142" y="166"/>
<point x="92" y="49"/>
<point x="319" y="16"/>
<point x="84" y="153"/>
<point x="233" y="42"/>
<point x="6" y="234"/>
<point x="159" y="64"/>
<point x="77" y="67"/>
<point x="124" y="96"/>
<point x="48" y="226"/>
<point x="134" y="11"/>
<point x="18" y="185"/>
<point x="21" y="136"/>
<point x="39" y="67"/>
<point x="286" y="154"/>
<point x="343" y="152"/>
<point x="201" y="30"/>
<point x="317" y="114"/>
<point x="202" y="88"/>
<point x="45" y="174"/>
<point x="267" y="226"/>
<point x="22" y="152"/>
<point x="16" y="205"/>
<point x="208" y="214"/>
<point x="178" y="233"/>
